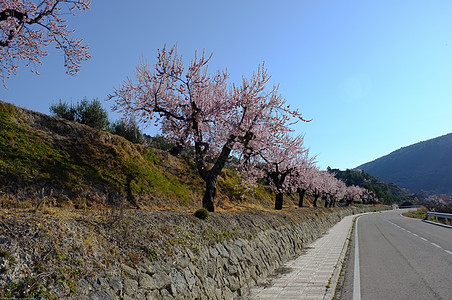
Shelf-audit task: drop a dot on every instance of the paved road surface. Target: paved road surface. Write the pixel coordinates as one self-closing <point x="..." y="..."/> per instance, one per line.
<point x="399" y="258"/>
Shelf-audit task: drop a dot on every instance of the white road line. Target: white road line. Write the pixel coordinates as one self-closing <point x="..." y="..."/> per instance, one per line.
<point x="438" y="246"/>
<point x="420" y="237"/>
<point x="356" y="275"/>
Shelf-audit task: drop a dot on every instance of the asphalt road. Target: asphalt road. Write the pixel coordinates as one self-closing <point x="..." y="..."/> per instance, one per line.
<point x="399" y="258"/>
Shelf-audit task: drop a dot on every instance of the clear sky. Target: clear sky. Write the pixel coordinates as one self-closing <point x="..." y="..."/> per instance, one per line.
<point x="373" y="75"/>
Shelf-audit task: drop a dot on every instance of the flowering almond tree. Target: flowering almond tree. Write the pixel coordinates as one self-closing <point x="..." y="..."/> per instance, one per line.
<point x="334" y="190"/>
<point x="300" y="179"/>
<point x="368" y="197"/>
<point x="318" y="185"/>
<point x="353" y="193"/>
<point x="278" y="159"/>
<point x="27" y="26"/>
<point x="196" y="108"/>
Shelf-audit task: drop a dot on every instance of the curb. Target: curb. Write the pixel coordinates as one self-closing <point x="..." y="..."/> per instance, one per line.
<point x="437" y="224"/>
<point x="329" y="294"/>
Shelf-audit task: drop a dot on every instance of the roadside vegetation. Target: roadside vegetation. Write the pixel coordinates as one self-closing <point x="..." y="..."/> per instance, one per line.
<point x="420" y="213"/>
<point x="55" y="162"/>
<point x="52" y="162"/>
<point x="387" y="193"/>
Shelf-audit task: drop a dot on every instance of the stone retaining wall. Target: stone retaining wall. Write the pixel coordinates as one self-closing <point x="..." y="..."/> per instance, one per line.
<point x="226" y="270"/>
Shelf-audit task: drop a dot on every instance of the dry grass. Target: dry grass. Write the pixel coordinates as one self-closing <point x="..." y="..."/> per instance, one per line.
<point x="420" y="213"/>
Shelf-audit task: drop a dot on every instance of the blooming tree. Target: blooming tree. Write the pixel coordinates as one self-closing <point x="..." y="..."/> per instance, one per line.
<point x="300" y="179"/>
<point x="354" y="194"/>
<point x="368" y="197"/>
<point x="336" y="191"/>
<point x="278" y="159"/>
<point x="324" y="185"/>
<point x="333" y="189"/>
<point x="318" y="185"/>
<point x="200" y="109"/>
<point x="27" y="26"/>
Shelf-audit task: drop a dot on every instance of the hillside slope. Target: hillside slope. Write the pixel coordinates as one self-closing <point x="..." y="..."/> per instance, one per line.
<point x="387" y="193"/>
<point x="424" y="166"/>
<point x="64" y="162"/>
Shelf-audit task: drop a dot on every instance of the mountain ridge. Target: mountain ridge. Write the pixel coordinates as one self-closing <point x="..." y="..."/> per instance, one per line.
<point x="423" y="166"/>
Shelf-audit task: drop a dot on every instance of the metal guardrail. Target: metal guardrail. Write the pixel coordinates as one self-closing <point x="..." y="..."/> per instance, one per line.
<point x="410" y="206"/>
<point x="436" y="215"/>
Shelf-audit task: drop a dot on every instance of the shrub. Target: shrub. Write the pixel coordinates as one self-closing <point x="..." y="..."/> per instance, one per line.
<point x="128" y="130"/>
<point x="420" y="213"/>
<point x="86" y="112"/>
<point x="63" y="110"/>
<point x="202" y="213"/>
<point x="158" y="142"/>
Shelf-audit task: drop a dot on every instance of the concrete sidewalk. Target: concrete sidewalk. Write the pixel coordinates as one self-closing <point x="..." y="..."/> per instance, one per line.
<point x="313" y="275"/>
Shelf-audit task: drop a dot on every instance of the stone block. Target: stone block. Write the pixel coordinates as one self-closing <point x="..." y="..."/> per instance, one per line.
<point x="161" y="280"/>
<point x="178" y="281"/>
<point x="102" y="295"/>
<point x="228" y="294"/>
<point x="222" y="250"/>
<point x="130" y="286"/>
<point x="128" y="270"/>
<point x="115" y="283"/>
<point x="234" y="283"/>
<point x="146" y="282"/>
<point x="153" y="295"/>
<point x="189" y="278"/>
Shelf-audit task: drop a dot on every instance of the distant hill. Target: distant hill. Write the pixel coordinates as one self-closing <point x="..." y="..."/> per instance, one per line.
<point x="423" y="166"/>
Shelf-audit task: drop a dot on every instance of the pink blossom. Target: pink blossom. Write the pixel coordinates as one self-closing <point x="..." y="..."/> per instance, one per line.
<point x="194" y="107"/>
<point x="27" y="26"/>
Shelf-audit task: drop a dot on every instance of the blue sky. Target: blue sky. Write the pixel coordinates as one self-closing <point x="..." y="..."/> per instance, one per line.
<point x="373" y="75"/>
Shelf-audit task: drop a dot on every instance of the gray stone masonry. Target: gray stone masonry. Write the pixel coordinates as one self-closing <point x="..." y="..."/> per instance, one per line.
<point x="226" y="270"/>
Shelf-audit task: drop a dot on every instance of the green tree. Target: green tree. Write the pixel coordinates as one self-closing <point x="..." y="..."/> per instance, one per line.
<point x="86" y="112"/>
<point x="158" y="142"/>
<point x="128" y="130"/>
<point x="63" y="110"/>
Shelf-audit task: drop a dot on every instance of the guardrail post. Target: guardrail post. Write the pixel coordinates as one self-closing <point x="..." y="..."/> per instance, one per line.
<point x="447" y="217"/>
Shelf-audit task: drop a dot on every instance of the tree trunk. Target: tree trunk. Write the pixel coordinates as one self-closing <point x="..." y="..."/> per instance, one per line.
<point x="279" y="201"/>
<point x="301" y="193"/>
<point x="316" y="197"/>
<point x="209" y="195"/>
<point x="332" y="202"/>
<point x="210" y="177"/>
